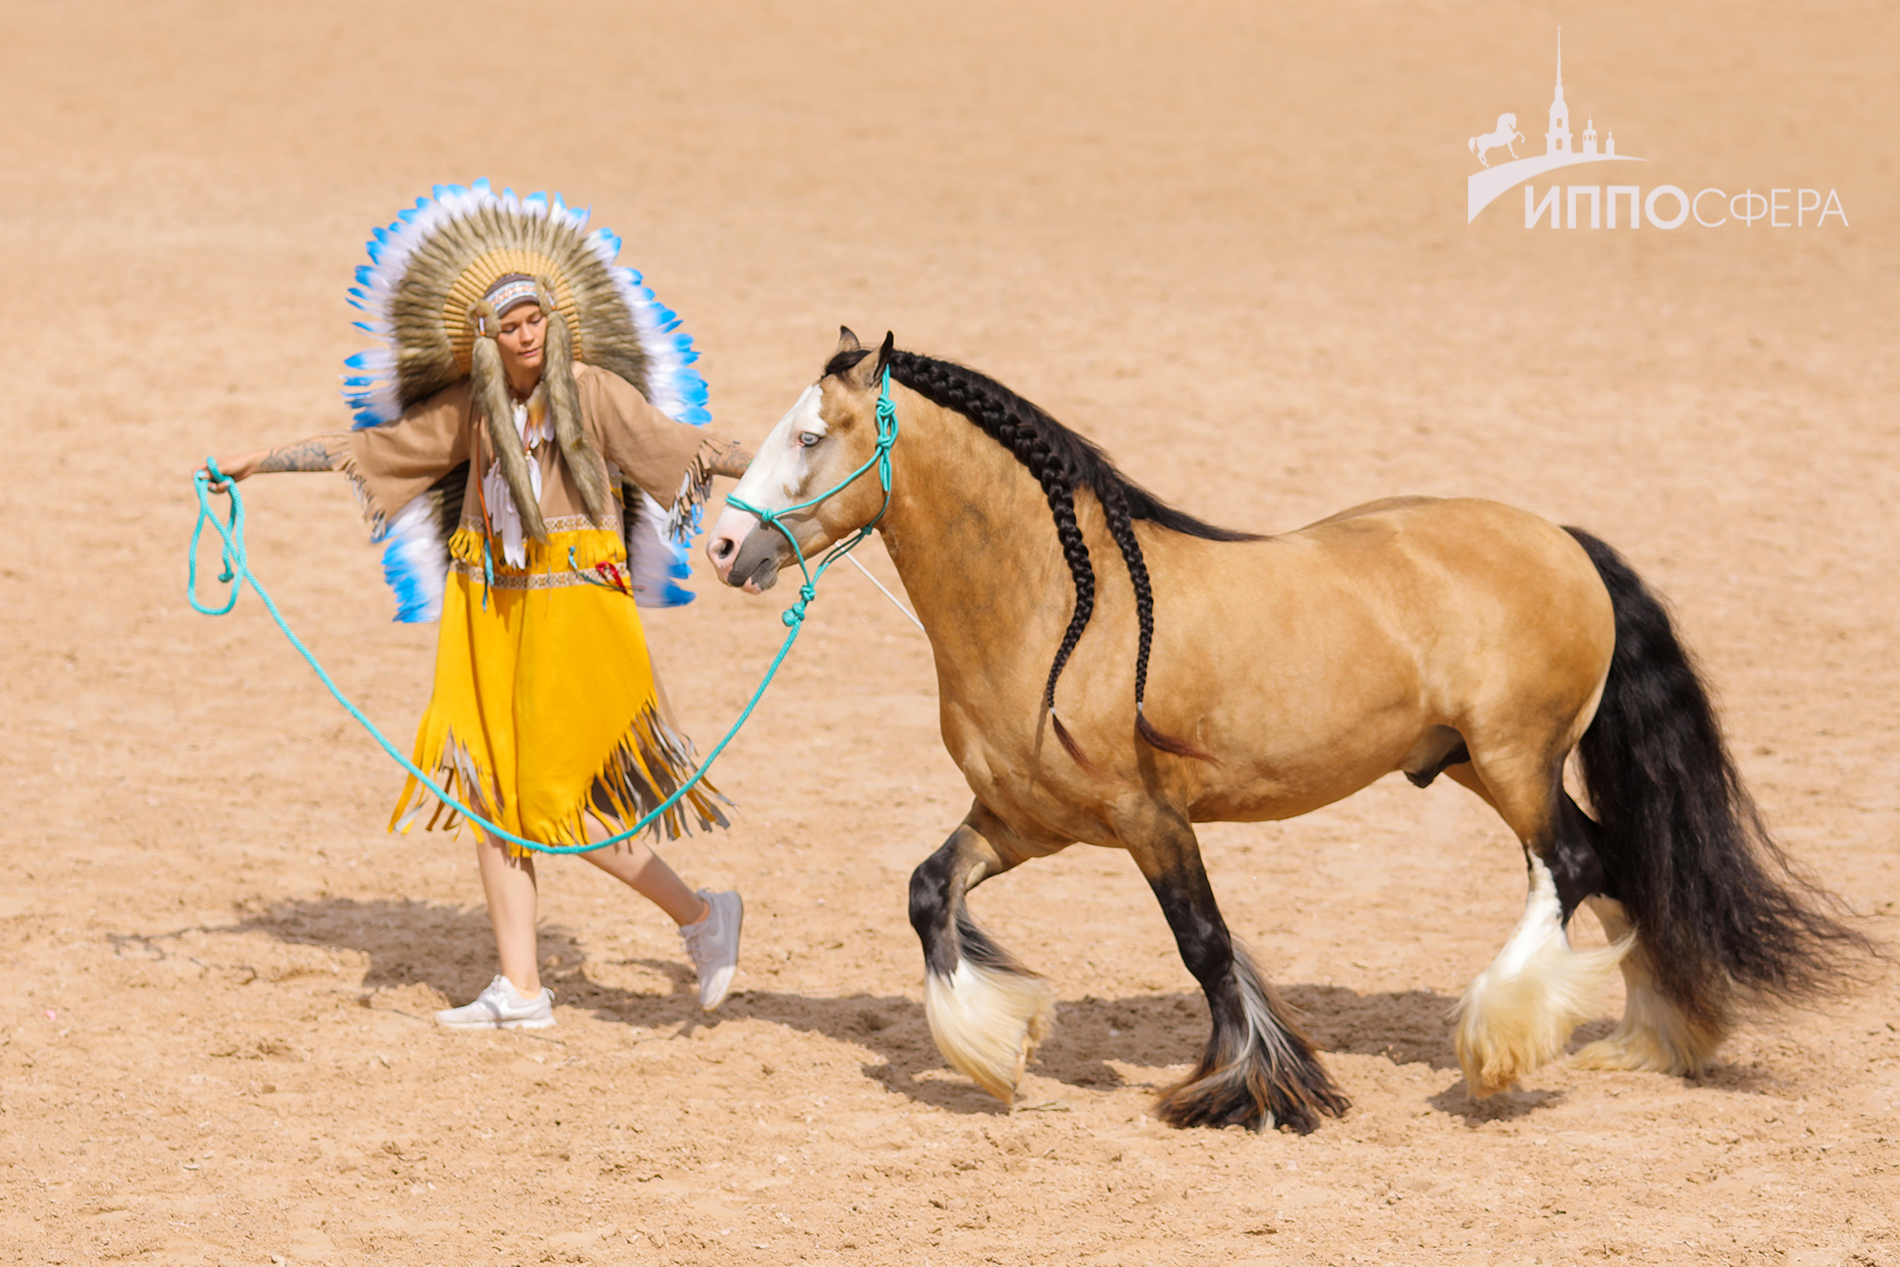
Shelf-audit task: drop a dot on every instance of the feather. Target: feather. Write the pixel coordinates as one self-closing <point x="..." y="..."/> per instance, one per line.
<point x="656" y="565"/>
<point x="421" y="268"/>
<point x="416" y="561"/>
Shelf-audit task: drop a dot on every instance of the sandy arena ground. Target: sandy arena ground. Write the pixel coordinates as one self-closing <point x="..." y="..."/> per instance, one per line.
<point x="1223" y="239"/>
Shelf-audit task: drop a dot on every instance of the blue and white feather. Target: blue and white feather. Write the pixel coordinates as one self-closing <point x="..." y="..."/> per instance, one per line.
<point x="416" y="357"/>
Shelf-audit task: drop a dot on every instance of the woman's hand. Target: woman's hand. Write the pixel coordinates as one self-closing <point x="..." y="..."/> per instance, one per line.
<point x="233" y="469"/>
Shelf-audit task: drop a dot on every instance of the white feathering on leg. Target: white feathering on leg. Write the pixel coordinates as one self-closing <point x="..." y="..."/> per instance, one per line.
<point x="1654" y="1036"/>
<point x="987" y="1022"/>
<point x="1518" y="1013"/>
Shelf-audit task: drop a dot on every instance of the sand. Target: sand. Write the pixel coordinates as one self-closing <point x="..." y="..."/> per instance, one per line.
<point x="1227" y="242"/>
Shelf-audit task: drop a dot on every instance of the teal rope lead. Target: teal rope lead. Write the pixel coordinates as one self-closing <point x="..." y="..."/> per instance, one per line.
<point x="237" y="572"/>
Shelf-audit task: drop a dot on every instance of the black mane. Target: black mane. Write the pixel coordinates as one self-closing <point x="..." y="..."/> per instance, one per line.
<point x="1061" y="461"/>
<point x="1082" y="456"/>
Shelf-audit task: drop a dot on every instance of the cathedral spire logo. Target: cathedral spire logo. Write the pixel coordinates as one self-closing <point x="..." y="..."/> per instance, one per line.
<point x="1598" y="206"/>
<point x="1486" y="184"/>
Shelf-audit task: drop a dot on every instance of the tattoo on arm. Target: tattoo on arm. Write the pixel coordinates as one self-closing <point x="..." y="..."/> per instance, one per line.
<point x="730" y="459"/>
<point x="305" y="455"/>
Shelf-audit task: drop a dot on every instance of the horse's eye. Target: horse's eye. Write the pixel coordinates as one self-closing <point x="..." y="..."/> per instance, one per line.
<point x="808" y="438"/>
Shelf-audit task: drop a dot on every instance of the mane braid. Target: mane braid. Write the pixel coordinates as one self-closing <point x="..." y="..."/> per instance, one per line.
<point x="1061" y="461"/>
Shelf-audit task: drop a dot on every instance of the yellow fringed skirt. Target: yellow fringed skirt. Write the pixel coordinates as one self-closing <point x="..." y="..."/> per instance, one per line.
<point x="545" y="708"/>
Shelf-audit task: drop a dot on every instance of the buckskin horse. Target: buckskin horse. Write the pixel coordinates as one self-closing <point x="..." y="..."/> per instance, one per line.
<point x="1228" y="676"/>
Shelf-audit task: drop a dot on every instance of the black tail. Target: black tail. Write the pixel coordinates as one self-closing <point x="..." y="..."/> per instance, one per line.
<point x="1723" y="920"/>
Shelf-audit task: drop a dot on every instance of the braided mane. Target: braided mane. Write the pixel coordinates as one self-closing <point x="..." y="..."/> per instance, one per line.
<point x="1061" y="461"/>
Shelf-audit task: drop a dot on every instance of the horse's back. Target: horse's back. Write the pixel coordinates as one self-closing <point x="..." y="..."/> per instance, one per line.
<point x="1471" y="576"/>
<point x="1465" y="534"/>
<point x="1384" y="504"/>
<point x="1501" y="610"/>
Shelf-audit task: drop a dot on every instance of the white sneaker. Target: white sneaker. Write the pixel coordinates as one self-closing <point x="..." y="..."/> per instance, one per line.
<point x="501" y="1006"/>
<point x="713" y="945"/>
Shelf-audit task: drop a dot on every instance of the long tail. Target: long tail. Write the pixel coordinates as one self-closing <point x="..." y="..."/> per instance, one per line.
<point x="1724" y="922"/>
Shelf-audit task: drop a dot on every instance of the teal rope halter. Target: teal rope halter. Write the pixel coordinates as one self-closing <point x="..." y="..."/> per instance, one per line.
<point x="881" y="459"/>
<point x="237" y="571"/>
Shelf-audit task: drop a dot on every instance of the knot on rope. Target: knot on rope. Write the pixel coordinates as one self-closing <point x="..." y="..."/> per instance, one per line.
<point x="794" y="615"/>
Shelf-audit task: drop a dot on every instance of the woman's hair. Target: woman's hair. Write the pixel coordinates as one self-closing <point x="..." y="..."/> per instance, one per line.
<point x="488" y="383"/>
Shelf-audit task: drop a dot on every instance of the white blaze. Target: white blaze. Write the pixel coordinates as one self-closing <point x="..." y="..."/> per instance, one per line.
<point x="778" y="472"/>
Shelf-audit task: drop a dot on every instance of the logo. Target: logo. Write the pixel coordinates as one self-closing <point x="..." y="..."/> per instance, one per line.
<point x="1664" y="206"/>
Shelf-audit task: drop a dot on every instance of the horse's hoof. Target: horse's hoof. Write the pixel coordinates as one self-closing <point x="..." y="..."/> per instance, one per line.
<point x="1656" y="1039"/>
<point x="1231" y="1097"/>
<point x="987" y="1022"/>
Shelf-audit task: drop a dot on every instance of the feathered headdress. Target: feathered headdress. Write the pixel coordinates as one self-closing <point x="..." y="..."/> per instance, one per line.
<point x="422" y="292"/>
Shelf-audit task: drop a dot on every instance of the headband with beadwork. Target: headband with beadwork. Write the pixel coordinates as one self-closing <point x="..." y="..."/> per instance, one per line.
<point x="510" y="290"/>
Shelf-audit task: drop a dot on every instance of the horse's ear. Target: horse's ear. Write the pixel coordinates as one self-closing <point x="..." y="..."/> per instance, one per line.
<point x="864" y="372"/>
<point x="847" y="341"/>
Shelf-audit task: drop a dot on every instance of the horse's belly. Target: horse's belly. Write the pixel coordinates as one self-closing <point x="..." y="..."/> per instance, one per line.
<point x="1287" y="784"/>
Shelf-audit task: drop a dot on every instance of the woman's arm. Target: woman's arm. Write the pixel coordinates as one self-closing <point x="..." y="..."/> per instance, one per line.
<point x="730" y="459"/>
<point x="318" y="453"/>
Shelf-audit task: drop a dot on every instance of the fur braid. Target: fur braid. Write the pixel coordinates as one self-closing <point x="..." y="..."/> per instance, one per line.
<point x="1076" y="551"/>
<point x="564" y="409"/>
<point x="1122" y="527"/>
<point x="489" y="381"/>
<point x="1024" y="439"/>
<point x="1061" y="461"/>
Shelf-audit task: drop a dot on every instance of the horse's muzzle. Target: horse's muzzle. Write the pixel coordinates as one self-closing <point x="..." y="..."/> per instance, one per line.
<point x="746" y="555"/>
<point x="755" y="570"/>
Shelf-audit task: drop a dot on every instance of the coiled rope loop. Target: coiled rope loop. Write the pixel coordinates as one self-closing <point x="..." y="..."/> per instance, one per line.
<point x="237" y="571"/>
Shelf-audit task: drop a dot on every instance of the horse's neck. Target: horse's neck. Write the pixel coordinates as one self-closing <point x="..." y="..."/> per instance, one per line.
<point x="970" y="533"/>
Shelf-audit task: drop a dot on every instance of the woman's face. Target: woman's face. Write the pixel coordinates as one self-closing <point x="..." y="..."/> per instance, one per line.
<point x="522" y="340"/>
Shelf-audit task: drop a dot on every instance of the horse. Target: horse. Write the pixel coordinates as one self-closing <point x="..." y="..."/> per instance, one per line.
<point x="1234" y="676"/>
<point x="1506" y="131"/>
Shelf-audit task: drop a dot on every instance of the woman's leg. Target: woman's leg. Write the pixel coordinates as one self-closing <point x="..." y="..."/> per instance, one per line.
<point x="509" y="886"/>
<point x="647" y="874"/>
<point x="709" y="925"/>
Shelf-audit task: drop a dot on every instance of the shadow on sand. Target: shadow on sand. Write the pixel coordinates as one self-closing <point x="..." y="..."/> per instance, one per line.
<point x="451" y="950"/>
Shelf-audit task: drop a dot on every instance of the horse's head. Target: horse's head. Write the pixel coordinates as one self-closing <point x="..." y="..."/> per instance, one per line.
<point x="829" y="432"/>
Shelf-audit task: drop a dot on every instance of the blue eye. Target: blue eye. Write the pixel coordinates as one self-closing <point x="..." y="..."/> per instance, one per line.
<point x="808" y="438"/>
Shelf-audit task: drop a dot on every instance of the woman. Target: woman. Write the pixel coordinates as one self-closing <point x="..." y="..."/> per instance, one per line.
<point x="546" y="715"/>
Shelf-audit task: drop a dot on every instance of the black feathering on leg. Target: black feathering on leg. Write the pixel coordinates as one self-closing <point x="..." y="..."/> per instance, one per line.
<point x="1258" y="1069"/>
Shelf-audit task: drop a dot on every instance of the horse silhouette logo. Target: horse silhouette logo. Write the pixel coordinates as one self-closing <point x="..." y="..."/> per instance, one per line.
<point x="1486" y="184"/>
<point x="1505" y="134"/>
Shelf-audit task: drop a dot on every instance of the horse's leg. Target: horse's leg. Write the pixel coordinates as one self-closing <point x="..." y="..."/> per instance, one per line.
<point x="1257" y="1070"/>
<point x="1520" y="1011"/>
<point x="1655" y="1035"/>
<point x="986" y="1011"/>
